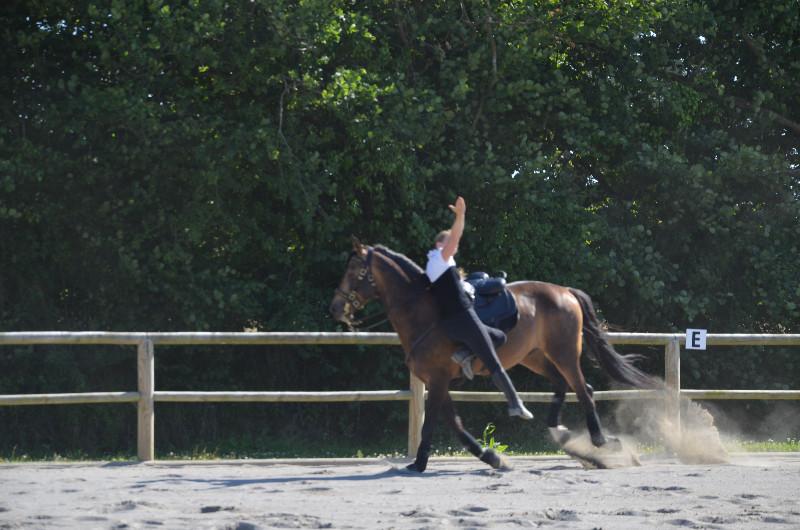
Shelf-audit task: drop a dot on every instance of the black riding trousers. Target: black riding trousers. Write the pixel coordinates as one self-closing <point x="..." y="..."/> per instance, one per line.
<point x="466" y="328"/>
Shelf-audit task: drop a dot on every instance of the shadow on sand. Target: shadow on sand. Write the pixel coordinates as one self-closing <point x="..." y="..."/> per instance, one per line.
<point x="392" y="472"/>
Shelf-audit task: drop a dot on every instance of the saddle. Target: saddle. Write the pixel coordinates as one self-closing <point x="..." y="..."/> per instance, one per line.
<point x="493" y="303"/>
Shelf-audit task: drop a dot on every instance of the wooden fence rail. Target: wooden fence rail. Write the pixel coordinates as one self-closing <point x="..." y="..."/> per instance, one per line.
<point x="147" y="395"/>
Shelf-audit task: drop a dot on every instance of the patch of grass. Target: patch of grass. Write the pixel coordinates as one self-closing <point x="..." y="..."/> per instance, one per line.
<point x="347" y="448"/>
<point x="294" y="447"/>
<point x="761" y="446"/>
<point x="15" y="457"/>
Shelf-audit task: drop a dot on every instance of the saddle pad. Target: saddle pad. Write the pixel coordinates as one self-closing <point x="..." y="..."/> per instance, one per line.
<point x="493" y="303"/>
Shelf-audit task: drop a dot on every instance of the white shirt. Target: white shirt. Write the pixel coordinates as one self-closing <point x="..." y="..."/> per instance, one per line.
<point x="437" y="265"/>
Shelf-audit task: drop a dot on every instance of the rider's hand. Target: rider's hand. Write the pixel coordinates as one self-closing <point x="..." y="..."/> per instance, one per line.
<point x="460" y="207"/>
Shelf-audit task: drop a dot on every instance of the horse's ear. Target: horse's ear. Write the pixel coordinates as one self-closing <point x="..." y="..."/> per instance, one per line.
<point x="358" y="247"/>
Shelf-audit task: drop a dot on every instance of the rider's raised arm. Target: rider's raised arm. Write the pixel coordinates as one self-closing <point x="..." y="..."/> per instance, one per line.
<point x="451" y="245"/>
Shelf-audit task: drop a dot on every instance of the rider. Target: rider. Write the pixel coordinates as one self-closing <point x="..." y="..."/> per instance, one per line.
<point x="459" y="319"/>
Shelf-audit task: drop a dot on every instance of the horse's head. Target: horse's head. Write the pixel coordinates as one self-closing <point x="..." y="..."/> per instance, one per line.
<point x="357" y="287"/>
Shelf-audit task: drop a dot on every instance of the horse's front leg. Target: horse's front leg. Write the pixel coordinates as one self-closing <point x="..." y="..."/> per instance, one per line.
<point x="432" y="408"/>
<point x="489" y="456"/>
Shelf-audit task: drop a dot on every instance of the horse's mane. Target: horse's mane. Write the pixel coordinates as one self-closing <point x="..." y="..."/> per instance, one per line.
<point x="411" y="269"/>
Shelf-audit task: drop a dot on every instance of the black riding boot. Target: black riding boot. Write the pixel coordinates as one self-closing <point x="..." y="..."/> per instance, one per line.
<point x="515" y="406"/>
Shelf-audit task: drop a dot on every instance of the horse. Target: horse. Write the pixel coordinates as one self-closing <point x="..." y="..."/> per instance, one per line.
<point x="554" y="323"/>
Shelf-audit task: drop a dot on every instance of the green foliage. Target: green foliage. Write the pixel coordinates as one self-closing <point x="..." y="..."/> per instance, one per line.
<point x="789" y="445"/>
<point x="488" y="441"/>
<point x="201" y="165"/>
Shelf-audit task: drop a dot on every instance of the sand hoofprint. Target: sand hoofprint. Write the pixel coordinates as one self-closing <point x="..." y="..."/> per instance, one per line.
<point x="752" y="491"/>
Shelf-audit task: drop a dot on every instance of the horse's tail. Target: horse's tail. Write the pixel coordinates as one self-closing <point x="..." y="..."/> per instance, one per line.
<point x="619" y="367"/>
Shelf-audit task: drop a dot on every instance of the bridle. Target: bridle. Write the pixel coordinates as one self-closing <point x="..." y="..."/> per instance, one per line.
<point x="354" y="300"/>
<point x="353" y="297"/>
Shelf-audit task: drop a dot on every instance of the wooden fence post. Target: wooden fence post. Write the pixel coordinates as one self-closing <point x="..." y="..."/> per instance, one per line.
<point x="416" y="414"/>
<point x="146" y="407"/>
<point x="672" y="377"/>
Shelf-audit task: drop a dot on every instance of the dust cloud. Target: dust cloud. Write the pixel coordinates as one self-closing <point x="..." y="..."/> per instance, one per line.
<point x="694" y="440"/>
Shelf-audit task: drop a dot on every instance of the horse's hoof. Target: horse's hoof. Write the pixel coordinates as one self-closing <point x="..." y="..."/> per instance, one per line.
<point x="560" y="434"/>
<point x="609" y="444"/>
<point x="416" y="468"/>
<point x="613" y="444"/>
<point x="495" y="460"/>
<point x="598" y="440"/>
<point x="521" y="411"/>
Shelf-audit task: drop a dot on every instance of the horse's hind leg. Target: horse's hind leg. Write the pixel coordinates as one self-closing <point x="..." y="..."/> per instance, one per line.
<point x="584" y="392"/>
<point x="539" y="364"/>
<point x="489" y="456"/>
<point x="558" y="432"/>
<point x="559" y="392"/>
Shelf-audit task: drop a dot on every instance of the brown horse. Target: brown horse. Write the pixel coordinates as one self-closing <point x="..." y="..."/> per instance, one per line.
<point x="553" y="322"/>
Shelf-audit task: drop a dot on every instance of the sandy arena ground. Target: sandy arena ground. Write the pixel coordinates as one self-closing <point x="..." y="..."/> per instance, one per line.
<point x="753" y="491"/>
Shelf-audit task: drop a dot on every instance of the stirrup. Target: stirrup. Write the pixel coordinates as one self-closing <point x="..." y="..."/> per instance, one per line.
<point x="464" y="358"/>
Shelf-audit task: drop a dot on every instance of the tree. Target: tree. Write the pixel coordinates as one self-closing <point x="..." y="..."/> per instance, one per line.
<point x="201" y="165"/>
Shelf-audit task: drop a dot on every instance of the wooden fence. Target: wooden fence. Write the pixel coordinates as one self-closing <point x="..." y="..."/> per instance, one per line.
<point x="147" y="395"/>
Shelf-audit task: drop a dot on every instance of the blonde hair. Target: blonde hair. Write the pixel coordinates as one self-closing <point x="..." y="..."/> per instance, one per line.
<point x="441" y="237"/>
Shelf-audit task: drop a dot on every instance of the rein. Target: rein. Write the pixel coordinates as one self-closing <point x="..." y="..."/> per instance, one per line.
<point x="420" y="339"/>
<point x="383" y="320"/>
